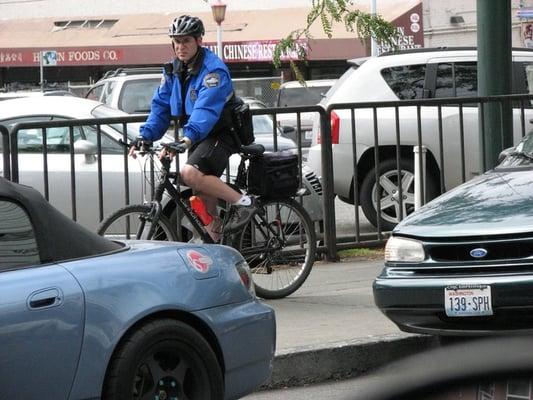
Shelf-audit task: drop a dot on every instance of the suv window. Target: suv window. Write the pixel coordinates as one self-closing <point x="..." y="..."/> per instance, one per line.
<point x="95" y="93"/>
<point x="406" y="81"/>
<point x="17" y="239"/>
<point x="107" y="94"/>
<point x="456" y="80"/>
<point x="136" y="96"/>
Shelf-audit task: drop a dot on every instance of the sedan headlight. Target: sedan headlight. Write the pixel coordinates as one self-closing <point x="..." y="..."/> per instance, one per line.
<point x="402" y="249"/>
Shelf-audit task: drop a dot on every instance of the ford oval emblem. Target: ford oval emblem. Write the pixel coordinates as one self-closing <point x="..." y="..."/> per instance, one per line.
<point x="478" y="253"/>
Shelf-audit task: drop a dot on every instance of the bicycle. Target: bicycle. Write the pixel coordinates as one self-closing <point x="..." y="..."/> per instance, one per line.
<point x="278" y="243"/>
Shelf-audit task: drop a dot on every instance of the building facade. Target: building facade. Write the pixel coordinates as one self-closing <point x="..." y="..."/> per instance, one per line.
<point x="90" y="38"/>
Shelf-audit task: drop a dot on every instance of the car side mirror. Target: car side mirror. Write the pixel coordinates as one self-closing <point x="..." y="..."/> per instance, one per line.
<point x="86" y="147"/>
<point x="504" y="153"/>
<point x="285" y="129"/>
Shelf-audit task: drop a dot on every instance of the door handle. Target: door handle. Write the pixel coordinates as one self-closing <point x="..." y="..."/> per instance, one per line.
<point x="44" y="299"/>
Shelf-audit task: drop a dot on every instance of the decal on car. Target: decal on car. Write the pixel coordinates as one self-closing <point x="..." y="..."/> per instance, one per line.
<point x="199" y="261"/>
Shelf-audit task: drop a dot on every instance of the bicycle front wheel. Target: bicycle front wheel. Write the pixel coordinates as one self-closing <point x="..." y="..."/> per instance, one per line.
<point x="135" y="222"/>
<point x="279" y="245"/>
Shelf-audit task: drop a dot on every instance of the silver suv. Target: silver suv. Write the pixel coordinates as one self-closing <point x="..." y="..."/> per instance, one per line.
<point x="127" y="89"/>
<point x="430" y="73"/>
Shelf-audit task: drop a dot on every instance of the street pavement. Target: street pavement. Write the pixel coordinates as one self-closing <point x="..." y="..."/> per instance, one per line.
<point x="330" y="327"/>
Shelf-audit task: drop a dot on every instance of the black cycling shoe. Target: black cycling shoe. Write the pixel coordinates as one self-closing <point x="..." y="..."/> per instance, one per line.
<point x="241" y="216"/>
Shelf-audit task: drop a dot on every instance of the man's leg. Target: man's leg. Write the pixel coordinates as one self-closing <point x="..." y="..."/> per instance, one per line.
<point x="210" y="188"/>
<point x="208" y="185"/>
<point x="205" y="164"/>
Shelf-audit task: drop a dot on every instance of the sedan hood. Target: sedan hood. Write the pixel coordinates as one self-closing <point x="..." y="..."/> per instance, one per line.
<point x="498" y="202"/>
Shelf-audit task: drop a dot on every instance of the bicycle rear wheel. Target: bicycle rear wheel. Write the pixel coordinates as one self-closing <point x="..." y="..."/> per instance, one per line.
<point x="279" y="244"/>
<point x="134" y="222"/>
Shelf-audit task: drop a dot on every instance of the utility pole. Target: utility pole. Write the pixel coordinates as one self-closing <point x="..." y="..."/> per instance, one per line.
<point x="374" y="45"/>
<point x="494" y="45"/>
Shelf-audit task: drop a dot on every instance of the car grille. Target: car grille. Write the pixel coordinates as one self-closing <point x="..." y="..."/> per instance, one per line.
<point x="496" y="249"/>
<point x="314" y="182"/>
<point x="504" y="255"/>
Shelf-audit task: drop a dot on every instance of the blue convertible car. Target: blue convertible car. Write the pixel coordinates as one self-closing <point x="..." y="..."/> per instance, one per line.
<point x="82" y="317"/>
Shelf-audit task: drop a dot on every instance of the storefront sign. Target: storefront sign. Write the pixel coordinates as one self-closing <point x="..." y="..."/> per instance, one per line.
<point x="255" y="51"/>
<point x="60" y="57"/>
<point x="140" y="54"/>
<point x="527" y="34"/>
<point x="410" y="31"/>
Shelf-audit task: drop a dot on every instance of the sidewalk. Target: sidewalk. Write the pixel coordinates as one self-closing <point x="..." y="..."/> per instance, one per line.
<point x="330" y="327"/>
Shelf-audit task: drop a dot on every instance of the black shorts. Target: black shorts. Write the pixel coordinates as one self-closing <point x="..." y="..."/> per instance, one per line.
<point x="210" y="156"/>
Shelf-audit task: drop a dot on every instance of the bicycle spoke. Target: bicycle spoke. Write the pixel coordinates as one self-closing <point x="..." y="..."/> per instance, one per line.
<point x="279" y="247"/>
<point x="135" y="222"/>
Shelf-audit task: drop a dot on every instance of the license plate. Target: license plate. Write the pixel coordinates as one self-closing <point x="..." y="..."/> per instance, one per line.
<point x="309" y="135"/>
<point x="467" y="300"/>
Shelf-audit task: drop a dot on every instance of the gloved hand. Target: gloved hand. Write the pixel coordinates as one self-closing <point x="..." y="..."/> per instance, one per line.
<point x="139" y="143"/>
<point x="180" y="146"/>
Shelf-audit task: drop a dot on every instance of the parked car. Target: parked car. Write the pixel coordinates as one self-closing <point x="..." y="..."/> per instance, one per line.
<point x="292" y="94"/>
<point x="499" y="368"/>
<point x="29" y="93"/>
<point x="84" y="317"/>
<point x="127" y="89"/>
<point x="31" y="162"/>
<point x="408" y="75"/>
<point x="461" y="265"/>
<point x="131" y="90"/>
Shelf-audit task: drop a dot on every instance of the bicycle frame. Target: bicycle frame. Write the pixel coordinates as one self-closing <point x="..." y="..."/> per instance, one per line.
<point x="182" y="205"/>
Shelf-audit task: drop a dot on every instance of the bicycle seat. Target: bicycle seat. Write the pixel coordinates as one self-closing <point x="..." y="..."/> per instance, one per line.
<point x="253" y="149"/>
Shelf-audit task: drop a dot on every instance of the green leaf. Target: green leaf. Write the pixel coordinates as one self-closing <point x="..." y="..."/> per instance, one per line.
<point x="329" y="11"/>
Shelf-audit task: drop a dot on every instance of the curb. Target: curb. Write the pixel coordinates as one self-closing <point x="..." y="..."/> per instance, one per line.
<point x="301" y="366"/>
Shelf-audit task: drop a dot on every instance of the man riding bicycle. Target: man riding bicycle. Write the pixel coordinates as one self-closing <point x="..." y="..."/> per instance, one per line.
<point x="196" y="87"/>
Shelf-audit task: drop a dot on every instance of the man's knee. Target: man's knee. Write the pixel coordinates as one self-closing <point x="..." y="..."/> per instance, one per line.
<point x="190" y="175"/>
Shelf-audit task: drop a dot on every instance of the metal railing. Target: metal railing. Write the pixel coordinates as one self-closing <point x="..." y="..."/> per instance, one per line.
<point x="369" y="135"/>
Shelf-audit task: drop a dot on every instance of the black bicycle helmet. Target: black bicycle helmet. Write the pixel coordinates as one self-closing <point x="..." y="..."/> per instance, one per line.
<point x="185" y="25"/>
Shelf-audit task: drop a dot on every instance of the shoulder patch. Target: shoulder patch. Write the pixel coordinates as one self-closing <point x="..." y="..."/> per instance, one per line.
<point x="212" y="80"/>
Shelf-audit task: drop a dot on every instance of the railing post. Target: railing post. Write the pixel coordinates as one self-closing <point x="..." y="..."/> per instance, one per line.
<point x="328" y="197"/>
<point x="420" y="175"/>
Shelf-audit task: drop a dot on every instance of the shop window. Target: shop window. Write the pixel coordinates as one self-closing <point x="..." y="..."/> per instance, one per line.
<point x="519" y="389"/>
<point x="85" y="24"/>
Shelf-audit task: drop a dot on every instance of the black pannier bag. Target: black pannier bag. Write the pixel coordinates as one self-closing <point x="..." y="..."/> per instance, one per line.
<point x="241" y="118"/>
<point x="273" y="175"/>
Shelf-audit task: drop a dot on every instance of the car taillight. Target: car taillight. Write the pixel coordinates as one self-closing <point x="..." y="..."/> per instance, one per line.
<point x="335" y="127"/>
<point x="246" y="276"/>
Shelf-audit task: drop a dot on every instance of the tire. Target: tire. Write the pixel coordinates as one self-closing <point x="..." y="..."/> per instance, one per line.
<point x="390" y="206"/>
<point x="164" y="356"/>
<point x="281" y="262"/>
<point x="114" y="226"/>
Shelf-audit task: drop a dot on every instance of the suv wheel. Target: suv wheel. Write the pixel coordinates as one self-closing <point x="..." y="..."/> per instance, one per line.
<point x="389" y="193"/>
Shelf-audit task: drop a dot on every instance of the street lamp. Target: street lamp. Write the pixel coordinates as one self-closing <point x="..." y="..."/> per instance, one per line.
<point x="219" y="12"/>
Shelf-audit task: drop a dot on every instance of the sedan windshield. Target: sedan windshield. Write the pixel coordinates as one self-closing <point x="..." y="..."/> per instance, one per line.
<point x="103" y="111"/>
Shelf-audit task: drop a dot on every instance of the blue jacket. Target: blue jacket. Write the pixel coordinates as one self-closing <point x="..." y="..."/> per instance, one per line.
<point x="209" y="88"/>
